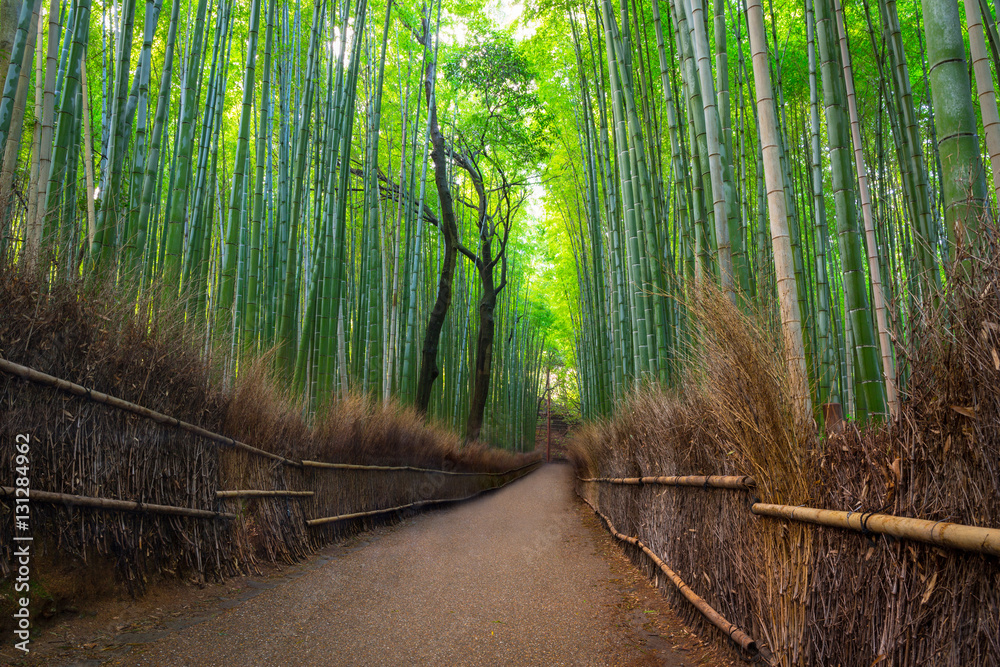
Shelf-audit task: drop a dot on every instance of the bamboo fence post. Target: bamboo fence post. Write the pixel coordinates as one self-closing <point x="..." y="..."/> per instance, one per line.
<point x="355" y="466"/>
<point x="263" y="494"/>
<point x="420" y="503"/>
<point x="737" y="482"/>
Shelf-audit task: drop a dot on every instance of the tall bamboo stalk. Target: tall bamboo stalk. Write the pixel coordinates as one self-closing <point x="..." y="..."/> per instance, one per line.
<point x="778" y="217"/>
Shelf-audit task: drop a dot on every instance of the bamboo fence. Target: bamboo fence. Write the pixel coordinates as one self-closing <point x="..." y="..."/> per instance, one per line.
<point x="148" y="504"/>
<point x="879" y="587"/>
<point x="742" y="639"/>
<point x="942" y="533"/>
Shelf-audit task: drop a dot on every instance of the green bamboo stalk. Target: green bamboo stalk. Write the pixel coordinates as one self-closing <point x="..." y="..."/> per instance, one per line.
<point x="250" y="314"/>
<point x="287" y="338"/>
<point x="867" y="371"/>
<point x="874" y="270"/>
<point x="181" y="173"/>
<point x="227" y="289"/>
<point x="787" y="294"/>
<point x="106" y="202"/>
<point x="9" y="93"/>
<point x="984" y="90"/>
<point x="68" y="115"/>
<point x="957" y="142"/>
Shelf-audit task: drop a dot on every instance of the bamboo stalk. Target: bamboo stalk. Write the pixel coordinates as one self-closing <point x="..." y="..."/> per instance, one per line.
<point x="739" y="482"/>
<point x="98" y="397"/>
<point x="791" y="317"/>
<point x="715" y="618"/>
<point x="984" y="89"/>
<point x="942" y="533"/>
<point x="88" y="157"/>
<point x="112" y="504"/>
<point x="874" y="271"/>
<point x="263" y="494"/>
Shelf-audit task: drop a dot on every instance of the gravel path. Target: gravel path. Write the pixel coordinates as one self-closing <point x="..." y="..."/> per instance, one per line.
<point x="512" y="578"/>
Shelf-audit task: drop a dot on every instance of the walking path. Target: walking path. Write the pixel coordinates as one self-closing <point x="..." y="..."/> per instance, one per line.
<point x="522" y="576"/>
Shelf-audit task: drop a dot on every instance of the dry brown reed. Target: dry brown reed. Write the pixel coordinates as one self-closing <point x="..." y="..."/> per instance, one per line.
<point x="814" y="595"/>
<point x="82" y="333"/>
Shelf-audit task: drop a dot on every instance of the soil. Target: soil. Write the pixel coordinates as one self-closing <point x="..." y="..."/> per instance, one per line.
<point x="523" y="576"/>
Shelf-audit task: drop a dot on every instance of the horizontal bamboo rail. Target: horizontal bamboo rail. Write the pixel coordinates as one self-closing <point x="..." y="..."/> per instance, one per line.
<point x="388" y="510"/>
<point x="739" y="482"/>
<point x="941" y="533"/>
<point x="715" y="618"/>
<point x="419" y="503"/>
<point x="357" y="466"/>
<point x="262" y="494"/>
<point x="99" y="397"/>
<point x="110" y="504"/>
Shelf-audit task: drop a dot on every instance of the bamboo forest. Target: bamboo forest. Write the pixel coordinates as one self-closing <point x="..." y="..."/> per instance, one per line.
<point x="333" y="180"/>
<point x="284" y="271"/>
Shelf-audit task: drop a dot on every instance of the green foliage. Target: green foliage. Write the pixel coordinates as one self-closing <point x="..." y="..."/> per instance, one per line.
<point x="499" y="109"/>
<point x="343" y="256"/>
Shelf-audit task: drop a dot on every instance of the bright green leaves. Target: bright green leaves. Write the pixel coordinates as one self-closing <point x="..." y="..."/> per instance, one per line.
<point x="499" y="109"/>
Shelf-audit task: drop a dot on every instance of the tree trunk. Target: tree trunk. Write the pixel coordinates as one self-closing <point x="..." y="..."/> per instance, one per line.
<point x="429" y="370"/>
<point x="484" y="357"/>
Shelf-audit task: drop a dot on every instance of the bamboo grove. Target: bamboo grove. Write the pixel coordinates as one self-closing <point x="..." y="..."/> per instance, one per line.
<point x="828" y="159"/>
<point x="265" y="169"/>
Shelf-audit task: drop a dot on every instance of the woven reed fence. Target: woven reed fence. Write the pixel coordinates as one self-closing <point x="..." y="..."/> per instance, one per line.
<point x="971" y="539"/>
<point x="116" y="482"/>
<point x="857" y="582"/>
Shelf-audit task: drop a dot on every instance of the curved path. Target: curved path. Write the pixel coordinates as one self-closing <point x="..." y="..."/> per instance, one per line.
<point x="512" y="578"/>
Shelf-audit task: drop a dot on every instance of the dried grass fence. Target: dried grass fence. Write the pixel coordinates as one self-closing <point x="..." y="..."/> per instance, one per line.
<point x="815" y="594"/>
<point x="273" y="517"/>
<point x="123" y="480"/>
